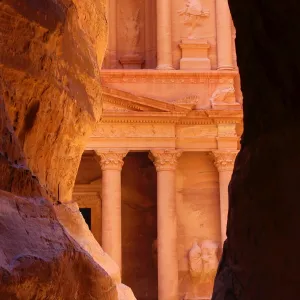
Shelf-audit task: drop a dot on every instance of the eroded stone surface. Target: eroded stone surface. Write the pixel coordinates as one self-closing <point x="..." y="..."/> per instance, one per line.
<point x="38" y="260"/>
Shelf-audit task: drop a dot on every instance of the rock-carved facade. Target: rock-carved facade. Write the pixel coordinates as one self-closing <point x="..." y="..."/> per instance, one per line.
<point x="166" y="143"/>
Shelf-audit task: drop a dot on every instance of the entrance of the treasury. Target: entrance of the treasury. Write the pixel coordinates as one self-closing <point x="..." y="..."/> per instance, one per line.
<point x="158" y="213"/>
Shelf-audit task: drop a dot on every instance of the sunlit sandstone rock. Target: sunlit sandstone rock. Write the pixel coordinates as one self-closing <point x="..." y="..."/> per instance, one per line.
<point x="50" y="99"/>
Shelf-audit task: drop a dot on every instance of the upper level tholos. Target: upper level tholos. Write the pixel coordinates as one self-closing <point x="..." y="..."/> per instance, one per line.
<point x="170" y="50"/>
<point x="170" y="34"/>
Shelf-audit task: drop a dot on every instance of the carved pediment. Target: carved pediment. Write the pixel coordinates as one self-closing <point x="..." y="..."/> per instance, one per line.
<point x="109" y="107"/>
<point x="120" y="101"/>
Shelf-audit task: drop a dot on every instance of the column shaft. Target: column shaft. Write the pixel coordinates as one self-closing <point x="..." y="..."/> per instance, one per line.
<point x="112" y="33"/>
<point x="224" y="161"/>
<point x="224" y="35"/>
<point x="165" y="163"/>
<point x="111" y="214"/>
<point x="224" y="180"/>
<point x="111" y="165"/>
<point x="164" y="34"/>
<point x="167" y="236"/>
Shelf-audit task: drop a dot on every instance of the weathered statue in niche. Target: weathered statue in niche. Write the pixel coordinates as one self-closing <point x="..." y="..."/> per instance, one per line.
<point x="203" y="265"/>
<point x="193" y="14"/>
<point x="131" y="31"/>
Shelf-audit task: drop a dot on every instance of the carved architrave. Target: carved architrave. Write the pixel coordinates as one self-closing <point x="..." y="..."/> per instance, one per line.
<point x="110" y="160"/>
<point x="224" y="160"/>
<point x="165" y="160"/>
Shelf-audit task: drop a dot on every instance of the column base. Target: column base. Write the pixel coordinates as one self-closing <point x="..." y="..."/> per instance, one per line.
<point x="131" y="61"/>
<point x="194" y="55"/>
<point x="164" y="67"/>
<point x="225" y="68"/>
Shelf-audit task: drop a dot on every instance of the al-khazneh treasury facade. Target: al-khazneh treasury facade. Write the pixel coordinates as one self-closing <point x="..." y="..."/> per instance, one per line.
<point x="154" y="177"/>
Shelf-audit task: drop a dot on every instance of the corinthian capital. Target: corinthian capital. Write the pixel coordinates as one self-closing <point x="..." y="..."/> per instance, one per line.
<point x="224" y="160"/>
<point x="165" y="160"/>
<point x="110" y="160"/>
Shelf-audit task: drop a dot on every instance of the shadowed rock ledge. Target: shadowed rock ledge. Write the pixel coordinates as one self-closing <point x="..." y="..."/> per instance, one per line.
<point x="259" y="259"/>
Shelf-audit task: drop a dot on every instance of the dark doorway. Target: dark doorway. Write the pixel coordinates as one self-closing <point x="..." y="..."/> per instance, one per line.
<point x="139" y="225"/>
<point x="87" y="215"/>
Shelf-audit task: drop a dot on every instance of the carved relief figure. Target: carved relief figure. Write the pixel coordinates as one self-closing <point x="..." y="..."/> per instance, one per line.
<point x="224" y="95"/>
<point x="203" y="264"/>
<point x="193" y="13"/>
<point x="131" y="31"/>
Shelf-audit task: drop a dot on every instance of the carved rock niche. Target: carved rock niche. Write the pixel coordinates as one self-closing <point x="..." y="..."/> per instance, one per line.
<point x="131" y="36"/>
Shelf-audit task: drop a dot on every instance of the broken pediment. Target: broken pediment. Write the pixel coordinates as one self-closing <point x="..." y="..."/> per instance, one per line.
<point x="110" y="107"/>
<point x="120" y="101"/>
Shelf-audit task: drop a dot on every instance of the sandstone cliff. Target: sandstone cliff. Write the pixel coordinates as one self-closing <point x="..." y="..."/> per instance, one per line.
<point x="50" y="99"/>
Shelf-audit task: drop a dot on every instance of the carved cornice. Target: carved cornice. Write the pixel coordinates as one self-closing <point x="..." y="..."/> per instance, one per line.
<point x="203" y="117"/>
<point x="165" y="160"/>
<point x="110" y="160"/>
<point x="171" y="77"/>
<point x="224" y="160"/>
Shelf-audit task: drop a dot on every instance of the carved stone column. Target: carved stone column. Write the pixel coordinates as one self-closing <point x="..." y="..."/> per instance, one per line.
<point x="111" y="164"/>
<point x="224" y="35"/>
<point x="165" y="162"/>
<point x="164" y="35"/>
<point x="112" y="33"/>
<point x="224" y="161"/>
